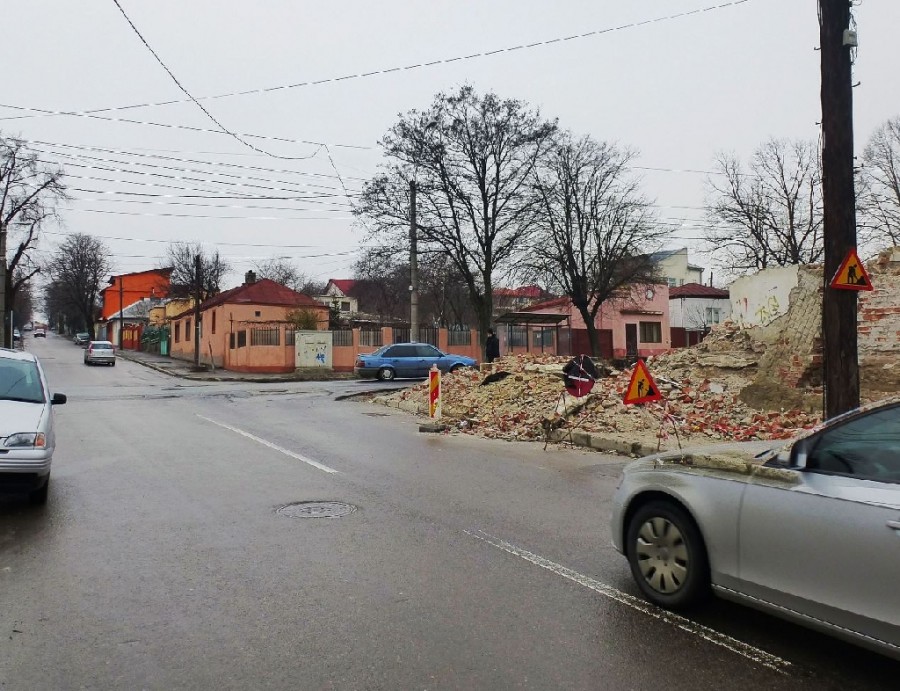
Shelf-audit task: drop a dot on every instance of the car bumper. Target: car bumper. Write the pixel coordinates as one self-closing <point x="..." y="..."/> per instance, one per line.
<point x="95" y="359"/>
<point x="25" y="461"/>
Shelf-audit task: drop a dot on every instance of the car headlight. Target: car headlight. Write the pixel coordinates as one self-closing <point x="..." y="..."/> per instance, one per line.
<point x="35" y="440"/>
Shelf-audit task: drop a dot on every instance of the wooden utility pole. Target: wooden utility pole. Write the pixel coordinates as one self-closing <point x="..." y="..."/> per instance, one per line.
<point x="413" y="266"/>
<point x="841" y="360"/>
<point x="198" y="286"/>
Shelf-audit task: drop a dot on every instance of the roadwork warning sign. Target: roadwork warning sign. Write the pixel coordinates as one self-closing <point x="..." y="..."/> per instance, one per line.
<point x="641" y="388"/>
<point x="852" y="274"/>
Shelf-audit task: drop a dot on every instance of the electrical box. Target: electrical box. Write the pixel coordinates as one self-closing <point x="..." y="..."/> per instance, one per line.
<point x="850" y="38"/>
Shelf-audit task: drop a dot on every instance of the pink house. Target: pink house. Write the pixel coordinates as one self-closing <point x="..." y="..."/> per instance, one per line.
<point x="635" y="324"/>
<point x="245" y="329"/>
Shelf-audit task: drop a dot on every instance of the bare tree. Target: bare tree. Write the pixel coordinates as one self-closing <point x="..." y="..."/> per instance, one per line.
<point x="771" y="213"/>
<point x="213" y="268"/>
<point x="281" y="270"/>
<point x="471" y="158"/>
<point x="78" y="270"/>
<point x="29" y="193"/>
<point x="880" y="185"/>
<point x="598" y="229"/>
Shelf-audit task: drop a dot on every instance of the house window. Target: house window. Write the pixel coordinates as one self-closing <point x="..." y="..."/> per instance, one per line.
<point x="713" y="315"/>
<point x="345" y="306"/>
<point x="257" y="313"/>
<point x="241" y="339"/>
<point x="289" y="336"/>
<point x="214" y="321"/>
<point x="672" y="282"/>
<point x="651" y="332"/>
<point x="265" y="337"/>
<point x="187" y="330"/>
<point x="177" y="332"/>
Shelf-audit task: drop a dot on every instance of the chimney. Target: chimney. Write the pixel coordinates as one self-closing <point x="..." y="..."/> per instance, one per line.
<point x="249" y="278"/>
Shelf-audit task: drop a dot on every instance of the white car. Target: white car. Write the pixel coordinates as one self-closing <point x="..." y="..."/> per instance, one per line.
<point x="810" y="532"/>
<point x="27" y="440"/>
<point x="100" y="352"/>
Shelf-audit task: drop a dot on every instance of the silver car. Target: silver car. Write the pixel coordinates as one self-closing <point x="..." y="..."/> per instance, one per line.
<point x="27" y="440"/>
<point x="809" y="531"/>
<point x="100" y="353"/>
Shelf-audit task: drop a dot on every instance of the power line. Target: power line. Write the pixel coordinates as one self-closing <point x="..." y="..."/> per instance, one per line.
<point x="407" y="68"/>
<point x="197" y="103"/>
<point x="217" y="218"/>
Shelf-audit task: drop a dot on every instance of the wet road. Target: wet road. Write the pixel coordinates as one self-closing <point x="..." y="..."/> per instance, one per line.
<point x="161" y="560"/>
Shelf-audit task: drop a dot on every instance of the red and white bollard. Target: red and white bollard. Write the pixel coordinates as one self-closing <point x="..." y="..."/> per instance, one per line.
<point x="434" y="393"/>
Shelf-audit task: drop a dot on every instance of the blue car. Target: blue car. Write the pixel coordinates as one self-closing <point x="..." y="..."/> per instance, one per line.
<point x="408" y="360"/>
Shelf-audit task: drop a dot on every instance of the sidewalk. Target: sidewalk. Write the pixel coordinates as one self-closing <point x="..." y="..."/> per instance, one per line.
<point x="185" y="370"/>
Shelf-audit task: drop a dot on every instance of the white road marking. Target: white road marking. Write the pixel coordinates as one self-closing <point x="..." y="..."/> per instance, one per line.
<point x="286" y="452"/>
<point x="716" y="637"/>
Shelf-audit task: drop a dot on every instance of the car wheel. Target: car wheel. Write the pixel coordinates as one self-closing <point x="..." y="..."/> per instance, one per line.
<point x="667" y="556"/>
<point x="386" y="374"/>
<point x="38" y="497"/>
<point x="112" y="364"/>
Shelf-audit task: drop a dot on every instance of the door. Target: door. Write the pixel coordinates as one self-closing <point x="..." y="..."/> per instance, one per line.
<point x="828" y="545"/>
<point x="631" y="341"/>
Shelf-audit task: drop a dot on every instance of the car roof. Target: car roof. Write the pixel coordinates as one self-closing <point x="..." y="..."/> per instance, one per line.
<point x="8" y="354"/>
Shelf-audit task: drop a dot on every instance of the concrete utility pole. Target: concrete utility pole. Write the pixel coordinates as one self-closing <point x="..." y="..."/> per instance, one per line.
<point x="3" y="296"/>
<point x="121" y="309"/>
<point x="413" y="266"/>
<point x="841" y="362"/>
<point x="198" y="286"/>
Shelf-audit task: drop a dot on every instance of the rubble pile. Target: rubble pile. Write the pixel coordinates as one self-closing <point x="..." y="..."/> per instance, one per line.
<point x="525" y="399"/>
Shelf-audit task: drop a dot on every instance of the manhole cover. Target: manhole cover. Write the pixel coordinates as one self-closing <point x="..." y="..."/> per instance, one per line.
<point x="316" y="509"/>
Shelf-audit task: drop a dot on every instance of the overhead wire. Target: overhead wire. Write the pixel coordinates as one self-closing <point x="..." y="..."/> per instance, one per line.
<point x="406" y="68"/>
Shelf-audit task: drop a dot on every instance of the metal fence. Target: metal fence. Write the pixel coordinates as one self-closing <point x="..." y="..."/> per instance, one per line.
<point x="459" y="337"/>
<point x="289" y="337"/>
<point x="268" y="336"/>
<point x="400" y="335"/>
<point x="371" y="337"/>
<point x="428" y="334"/>
<point x="342" y="337"/>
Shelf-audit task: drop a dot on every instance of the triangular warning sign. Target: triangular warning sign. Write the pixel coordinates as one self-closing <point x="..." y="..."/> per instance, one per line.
<point x="852" y="274"/>
<point x="641" y="388"/>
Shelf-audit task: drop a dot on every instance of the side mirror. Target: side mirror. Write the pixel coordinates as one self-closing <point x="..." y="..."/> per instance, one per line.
<point x="58" y="399"/>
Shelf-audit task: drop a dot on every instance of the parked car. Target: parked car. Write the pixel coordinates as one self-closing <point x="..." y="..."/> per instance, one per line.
<point x="809" y="532"/>
<point x="27" y="440"/>
<point x="40" y="332"/>
<point x="100" y="353"/>
<point x="82" y="338"/>
<point x="17" y="335"/>
<point x="407" y="360"/>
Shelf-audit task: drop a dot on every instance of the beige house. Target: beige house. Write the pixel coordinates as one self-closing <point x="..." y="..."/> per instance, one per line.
<point x="245" y="329"/>
<point x="675" y="268"/>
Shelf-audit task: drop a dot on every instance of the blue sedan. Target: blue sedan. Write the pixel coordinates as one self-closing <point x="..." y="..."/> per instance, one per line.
<point x="408" y="360"/>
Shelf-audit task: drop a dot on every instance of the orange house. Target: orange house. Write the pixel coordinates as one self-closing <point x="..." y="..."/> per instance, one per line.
<point x="245" y="329"/>
<point x="126" y="290"/>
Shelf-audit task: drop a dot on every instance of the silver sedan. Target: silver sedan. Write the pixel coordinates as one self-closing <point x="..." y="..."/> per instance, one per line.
<point x="809" y="531"/>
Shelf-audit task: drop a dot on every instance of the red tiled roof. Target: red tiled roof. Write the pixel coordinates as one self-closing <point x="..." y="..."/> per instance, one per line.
<point x="262" y="292"/>
<point x="531" y="292"/>
<point x="343" y="284"/>
<point x="548" y="304"/>
<point x="695" y="290"/>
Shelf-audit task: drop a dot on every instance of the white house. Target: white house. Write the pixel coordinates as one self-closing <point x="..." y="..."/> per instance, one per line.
<point x="696" y="307"/>
<point x="675" y="268"/>
<point x="336" y="295"/>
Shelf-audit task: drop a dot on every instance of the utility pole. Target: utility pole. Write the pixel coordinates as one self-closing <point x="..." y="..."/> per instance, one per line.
<point x="3" y="296"/>
<point x="198" y="285"/>
<point x="413" y="266"/>
<point x="841" y="357"/>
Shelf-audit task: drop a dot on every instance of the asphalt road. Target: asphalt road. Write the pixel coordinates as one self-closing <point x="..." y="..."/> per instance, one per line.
<point x="161" y="560"/>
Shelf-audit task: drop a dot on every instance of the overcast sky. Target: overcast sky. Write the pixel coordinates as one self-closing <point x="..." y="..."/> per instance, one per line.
<point x="678" y="90"/>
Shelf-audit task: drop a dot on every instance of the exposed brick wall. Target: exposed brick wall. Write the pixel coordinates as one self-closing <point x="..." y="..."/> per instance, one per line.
<point x="879" y="310"/>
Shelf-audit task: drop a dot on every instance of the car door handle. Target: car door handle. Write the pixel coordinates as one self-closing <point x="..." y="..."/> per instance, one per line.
<point x="894" y="525"/>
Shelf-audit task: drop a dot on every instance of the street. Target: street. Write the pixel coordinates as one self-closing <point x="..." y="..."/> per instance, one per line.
<point x="165" y="558"/>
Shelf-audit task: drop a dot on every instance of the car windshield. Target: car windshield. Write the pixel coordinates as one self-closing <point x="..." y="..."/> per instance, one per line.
<point x="20" y="381"/>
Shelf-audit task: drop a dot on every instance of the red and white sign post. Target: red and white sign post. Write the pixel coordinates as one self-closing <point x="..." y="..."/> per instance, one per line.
<point x="434" y="393"/>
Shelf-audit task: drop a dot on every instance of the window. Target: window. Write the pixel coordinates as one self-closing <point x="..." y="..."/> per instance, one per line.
<point x="266" y="336"/>
<point x="866" y="447"/>
<point x="289" y="338"/>
<point x="177" y="332"/>
<point x="428" y="351"/>
<point x="672" y="282"/>
<point x="713" y="315"/>
<point x="401" y="351"/>
<point x="651" y="332"/>
<point x="187" y="330"/>
<point x="213" y="322"/>
<point x="241" y="338"/>
<point x="258" y="313"/>
<point x="345" y="306"/>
